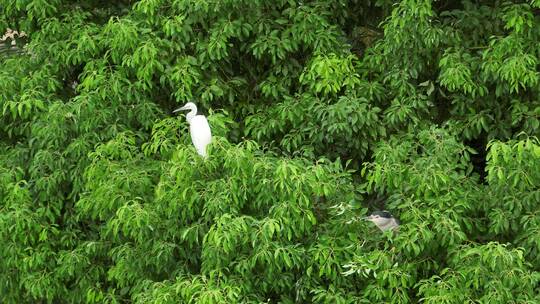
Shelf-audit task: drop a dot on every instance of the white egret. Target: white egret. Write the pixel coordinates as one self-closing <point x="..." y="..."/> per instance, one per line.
<point x="384" y="220"/>
<point x="199" y="128"/>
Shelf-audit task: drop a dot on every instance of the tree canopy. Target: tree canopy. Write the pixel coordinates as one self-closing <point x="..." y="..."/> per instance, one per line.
<point x="322" y="111"/>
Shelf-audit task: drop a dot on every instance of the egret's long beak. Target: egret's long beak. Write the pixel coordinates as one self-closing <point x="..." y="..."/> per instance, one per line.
<point x="179" y="109"/>
<point x="367" y="218"/>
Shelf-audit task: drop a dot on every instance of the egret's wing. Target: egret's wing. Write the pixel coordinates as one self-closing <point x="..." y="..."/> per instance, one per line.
<point x="201" y="135"/>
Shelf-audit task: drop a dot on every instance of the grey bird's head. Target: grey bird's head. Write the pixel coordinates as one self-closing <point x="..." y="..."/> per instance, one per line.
<point x="383" y="220"/>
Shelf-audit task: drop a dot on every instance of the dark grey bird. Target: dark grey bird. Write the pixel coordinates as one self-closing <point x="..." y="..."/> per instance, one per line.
<point x="383" y="220"/>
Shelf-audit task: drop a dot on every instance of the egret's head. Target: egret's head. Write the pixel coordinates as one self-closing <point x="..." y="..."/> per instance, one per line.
<point x="383" y="219"/>
<point x="188" y="106"/>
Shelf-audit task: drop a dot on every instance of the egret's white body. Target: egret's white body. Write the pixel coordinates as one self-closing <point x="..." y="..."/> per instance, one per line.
<point x="199" y="128"/>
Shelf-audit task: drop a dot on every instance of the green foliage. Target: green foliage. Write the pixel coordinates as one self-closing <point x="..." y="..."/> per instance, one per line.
<point x="321" y="111"/>
<point x="489" y="273"/>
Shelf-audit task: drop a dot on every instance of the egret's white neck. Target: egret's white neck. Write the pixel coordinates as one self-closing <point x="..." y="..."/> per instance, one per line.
<point x="192" y="113"/>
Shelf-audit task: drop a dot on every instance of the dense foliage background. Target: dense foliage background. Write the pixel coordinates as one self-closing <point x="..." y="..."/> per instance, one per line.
<point x="321" y="111"/>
